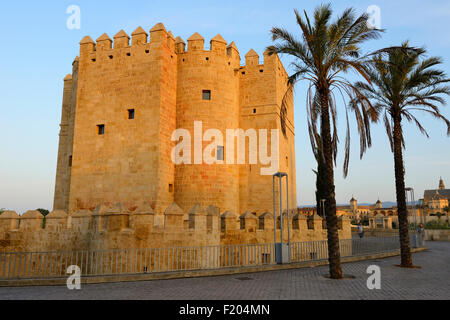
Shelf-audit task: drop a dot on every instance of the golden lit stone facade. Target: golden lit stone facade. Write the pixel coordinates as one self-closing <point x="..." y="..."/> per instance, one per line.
<point x="115" y="227"/>
<point x="106" y="157"/>
<point x="117" y="184"/>
<point x="436" y="201"/>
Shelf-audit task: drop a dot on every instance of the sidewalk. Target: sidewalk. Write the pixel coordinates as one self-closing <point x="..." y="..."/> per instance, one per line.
<point x="432" y="281"/>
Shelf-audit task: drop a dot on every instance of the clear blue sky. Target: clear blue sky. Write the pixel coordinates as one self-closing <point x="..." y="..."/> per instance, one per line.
<point x="37" y="50"/>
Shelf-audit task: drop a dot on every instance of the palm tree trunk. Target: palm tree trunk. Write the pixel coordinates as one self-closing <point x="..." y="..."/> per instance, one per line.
<point x="334" y="256"/>
<point x="406" y="260"/>
<point x="320" y="185"/>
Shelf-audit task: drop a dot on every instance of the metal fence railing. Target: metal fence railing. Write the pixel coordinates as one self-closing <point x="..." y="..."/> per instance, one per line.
<point x="34" y="265"/>
<point x="22" y="265"/>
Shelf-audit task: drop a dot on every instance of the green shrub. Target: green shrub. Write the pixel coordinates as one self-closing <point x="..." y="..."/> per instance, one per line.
<point x="437" y="225"/>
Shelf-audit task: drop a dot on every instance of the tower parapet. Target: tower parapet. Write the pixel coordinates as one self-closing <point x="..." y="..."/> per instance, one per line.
<point x="196" y="43"/>
<point x="232" y="51"/>
<point x="104" y="43"/>
<point x="171" y="41"/>
<point x="87" y="46"/>
<point x="139" y="37"/>
<point x="251" y="58"/>
<point x="218" y="44"/>
<point x="158" y="34"/>
<point x="9" y="220"/>
<point x="180" y="45"/>
<point x="121" y="40"/>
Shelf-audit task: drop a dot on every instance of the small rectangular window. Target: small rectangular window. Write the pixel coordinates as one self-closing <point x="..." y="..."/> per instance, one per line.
<point x="101" y="129"/>
<point x="220" y="155"/>
<point x="70" y="161"/>
<point x="206" y="94"/>
<point x="170" y="188"/>
<point x="131" y="114"/>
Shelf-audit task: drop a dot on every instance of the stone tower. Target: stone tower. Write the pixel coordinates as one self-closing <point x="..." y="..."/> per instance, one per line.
<point x="210" y="72"/>
<point x="124" y="101"/>
<point x="65" y="148"/>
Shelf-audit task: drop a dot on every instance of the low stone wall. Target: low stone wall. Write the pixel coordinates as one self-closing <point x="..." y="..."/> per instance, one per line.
<point x="437" y="235"/>
<point x="117" y="227"/>
<point x="378" y="232"/>
<point x="420" y="219"/>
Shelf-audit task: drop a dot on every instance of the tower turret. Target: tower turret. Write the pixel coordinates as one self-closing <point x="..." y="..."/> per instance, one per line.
<point x="441" y="184"/>
<point x="207" y="99"/>
<point x="139" y="37"/>
<point x="379" y="204"/>
<point x="353" y="204"/>
<point x="121" y="40"/>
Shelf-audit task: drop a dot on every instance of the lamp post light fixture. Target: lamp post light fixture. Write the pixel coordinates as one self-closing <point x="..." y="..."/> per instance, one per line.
<point x="413" y="209"/>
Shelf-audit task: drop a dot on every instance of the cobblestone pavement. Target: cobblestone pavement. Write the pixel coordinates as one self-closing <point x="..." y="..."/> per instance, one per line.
<point x="432" y="281"/>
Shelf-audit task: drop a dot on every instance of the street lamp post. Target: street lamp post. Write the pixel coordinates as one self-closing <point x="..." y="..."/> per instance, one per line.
<point x="412" y="206"/>
<point x="280" y="258"/>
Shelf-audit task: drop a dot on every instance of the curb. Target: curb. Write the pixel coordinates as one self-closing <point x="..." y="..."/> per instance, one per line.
<point x="193" y="274"/>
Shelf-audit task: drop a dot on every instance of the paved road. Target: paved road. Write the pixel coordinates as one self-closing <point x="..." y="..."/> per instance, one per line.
<point x="432" y="281"/>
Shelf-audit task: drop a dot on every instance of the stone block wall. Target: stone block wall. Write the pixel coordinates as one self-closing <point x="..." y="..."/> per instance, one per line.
<point x="106" y="157"/>
<point x="115" y="227"/>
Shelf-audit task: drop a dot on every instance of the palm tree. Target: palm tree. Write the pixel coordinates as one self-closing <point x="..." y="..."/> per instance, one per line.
<point x="324" y="51"/>
<point x="404" y="82"/>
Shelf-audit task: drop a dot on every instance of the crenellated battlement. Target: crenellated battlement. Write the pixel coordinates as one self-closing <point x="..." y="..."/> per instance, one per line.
<point x="219" y="55"/>
<point x="270" y="63"/>
<point x="115" y="226"/>
<point x="104" y="46"/>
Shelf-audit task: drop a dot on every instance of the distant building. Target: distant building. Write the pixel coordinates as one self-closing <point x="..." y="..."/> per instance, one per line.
<point x="358" y="212"/>
<point x="436" y="200"/>
<point x="355" y="211"/>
